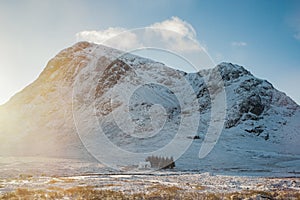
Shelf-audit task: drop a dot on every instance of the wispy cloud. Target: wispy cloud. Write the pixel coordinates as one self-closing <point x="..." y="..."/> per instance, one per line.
<point x="177" y="25"/>
<point x="297" y="36"/>
<point x="297" y="29"/>
<point x="174" y="34"/>
<point x="293" y="20"/>
<point x="127" y="40"/>
<point x="239" y="44"/>
<point x="178" y="35"/>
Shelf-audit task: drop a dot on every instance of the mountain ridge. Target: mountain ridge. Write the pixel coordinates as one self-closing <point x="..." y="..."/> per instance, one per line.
<point x="39" y="120"/>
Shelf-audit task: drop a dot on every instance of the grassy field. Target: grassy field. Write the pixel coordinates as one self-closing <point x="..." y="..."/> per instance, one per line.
<point x="152" y="187"/>
<point x="157" y="192"/>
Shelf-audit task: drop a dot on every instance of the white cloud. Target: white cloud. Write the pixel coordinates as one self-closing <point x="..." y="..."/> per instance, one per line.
<point x="294" y="22"/>
<point x="239" y="44"/>
<point x="110" y="37"/>
<point x="99" y="36"/>
<point x="176" y="25"/>
<point x="297" y="36"/>
<point x="178" y="35"/>
<point x="174" y="34"/>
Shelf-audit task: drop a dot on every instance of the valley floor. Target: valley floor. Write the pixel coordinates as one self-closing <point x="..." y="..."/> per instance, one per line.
<point x="45" y="178"/>
<point x="152" y="186"/>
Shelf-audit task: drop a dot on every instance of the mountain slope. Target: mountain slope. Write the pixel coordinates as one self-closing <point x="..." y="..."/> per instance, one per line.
<point x="89" y="91"/>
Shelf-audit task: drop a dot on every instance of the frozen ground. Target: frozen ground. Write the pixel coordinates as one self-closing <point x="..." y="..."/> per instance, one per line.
<point x="11" y="167"/>
<point x="186" y="183"/>
<point x="52" y="175"/>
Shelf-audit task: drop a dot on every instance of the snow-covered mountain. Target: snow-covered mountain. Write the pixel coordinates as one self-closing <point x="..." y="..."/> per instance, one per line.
<point x="92" y="100"/>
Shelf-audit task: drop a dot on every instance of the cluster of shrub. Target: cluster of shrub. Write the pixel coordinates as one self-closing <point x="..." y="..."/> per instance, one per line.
<point x="161" y="162"/>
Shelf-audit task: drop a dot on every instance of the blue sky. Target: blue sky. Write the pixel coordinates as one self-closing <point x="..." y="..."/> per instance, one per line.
<point x="263" y="36"/>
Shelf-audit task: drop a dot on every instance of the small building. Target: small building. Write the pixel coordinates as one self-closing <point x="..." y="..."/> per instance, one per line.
<point x="144" y="165"/>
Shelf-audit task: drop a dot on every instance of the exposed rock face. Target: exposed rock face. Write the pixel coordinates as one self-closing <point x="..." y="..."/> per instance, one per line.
<point x="249" y="99"/>
<point x="39" y="119"/>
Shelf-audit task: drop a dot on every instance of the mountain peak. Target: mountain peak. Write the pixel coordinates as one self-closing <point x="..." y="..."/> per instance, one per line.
<point x="87" y="84"/>
<point x="230" y="71"/>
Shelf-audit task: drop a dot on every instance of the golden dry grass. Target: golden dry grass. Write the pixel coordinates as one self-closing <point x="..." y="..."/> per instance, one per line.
<point x="156" y="192"/>
<point x="25" y="176"/>
<point x="53" y="181"/>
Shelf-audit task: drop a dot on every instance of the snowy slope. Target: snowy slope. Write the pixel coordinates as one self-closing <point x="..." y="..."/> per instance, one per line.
<point x="97" y="98"/>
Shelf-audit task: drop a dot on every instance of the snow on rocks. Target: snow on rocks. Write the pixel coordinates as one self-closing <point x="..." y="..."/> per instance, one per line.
<point x="261" y="123"/>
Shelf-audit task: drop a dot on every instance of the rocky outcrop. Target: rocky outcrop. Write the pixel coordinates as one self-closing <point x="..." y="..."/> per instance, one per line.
<point x="43" y="111"/>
